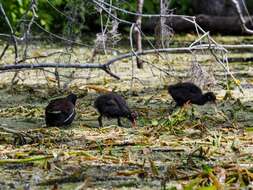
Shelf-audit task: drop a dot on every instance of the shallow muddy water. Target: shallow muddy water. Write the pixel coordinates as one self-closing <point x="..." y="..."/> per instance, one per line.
<point x="170" y="148"/>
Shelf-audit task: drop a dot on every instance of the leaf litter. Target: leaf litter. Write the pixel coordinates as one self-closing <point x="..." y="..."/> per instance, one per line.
<point x="196" y="147"/>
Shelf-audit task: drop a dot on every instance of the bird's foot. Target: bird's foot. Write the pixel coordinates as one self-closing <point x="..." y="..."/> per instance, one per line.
<point x="186" y="106"/>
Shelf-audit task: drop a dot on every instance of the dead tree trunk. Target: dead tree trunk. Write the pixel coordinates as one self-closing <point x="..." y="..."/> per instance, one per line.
<point x="220" y="24"/>
<point x="138" y="32"/>
<point x="163" y="32"/>
<point x="162" y="21"/>
<point x="217" y="7"/>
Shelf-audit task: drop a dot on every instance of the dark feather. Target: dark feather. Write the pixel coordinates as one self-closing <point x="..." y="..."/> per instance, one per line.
<point x="189" y="92"/>
<point x="112" y="106"/>
<point x="60" y="111"/>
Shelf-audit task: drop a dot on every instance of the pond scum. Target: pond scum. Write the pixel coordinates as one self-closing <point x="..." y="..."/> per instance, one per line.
<point x="193" y="148"/>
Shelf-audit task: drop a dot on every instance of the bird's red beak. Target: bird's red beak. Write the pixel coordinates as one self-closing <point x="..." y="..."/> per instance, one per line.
<point x="134" y="124"/>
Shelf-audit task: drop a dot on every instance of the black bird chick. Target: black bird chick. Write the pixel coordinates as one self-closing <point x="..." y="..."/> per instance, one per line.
<point x="61" y="111"/>
<point x="187" y="92"/>
<point x="114" y="106"/>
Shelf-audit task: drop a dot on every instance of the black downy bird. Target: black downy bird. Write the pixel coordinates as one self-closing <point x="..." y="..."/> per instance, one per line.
<point x="61" y="111"/>
<point x="114" y="106"/>
<point x="187" y="92"/>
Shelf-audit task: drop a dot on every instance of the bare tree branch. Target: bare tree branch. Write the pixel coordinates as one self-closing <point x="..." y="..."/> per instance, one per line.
<point x="242" y="20"/>
<point x="13" y="67"/>
<point x="109" y="9"/>
<point x="137" y="30"/>
<point x="108" y="63"/>
<point x="26" y="36"/>
<point x="164" y="50"/>
<point x="101" y="3"/>
<point x="52" y="65"/>
<point x="108" y="71"/>
<point x="4" y="50"/>
<point x="12" y="32"/>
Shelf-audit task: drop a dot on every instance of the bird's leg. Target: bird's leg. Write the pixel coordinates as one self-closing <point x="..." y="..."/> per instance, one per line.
<point x="119" y="123"/>
<point x="100" y="121"/>
<point x="186" y="105"/>
<point x="192" y="113"/>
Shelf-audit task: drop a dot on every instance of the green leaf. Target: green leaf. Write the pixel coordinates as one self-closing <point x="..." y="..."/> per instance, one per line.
<point x="149" y="6"/>
<point x="13" y="16"/>
<point x="207" y="168"/>
<point x="249" y="129"/>
<point x="192" y="184"/>
<point x="43" y="22"/>
<point x="154" y="122"/>
<point x="208" y="188"/>
<point x="20" y="2"/>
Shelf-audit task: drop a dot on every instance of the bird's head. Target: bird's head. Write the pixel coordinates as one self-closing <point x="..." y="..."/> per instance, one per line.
<point x="210" y="96"/>
<point x="72" y="97"/>
<point x="132" y="117"/>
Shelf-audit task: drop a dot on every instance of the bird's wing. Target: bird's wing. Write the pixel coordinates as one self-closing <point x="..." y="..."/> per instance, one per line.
<point x="59" y="106"/>
<point x="186" y="88"/>
<point x="112" y="107"/>
<point x="180" y="95"/>
<point x="195" y="90"/>
<point x="111" y="102"/>
<point x="122" y="104"/>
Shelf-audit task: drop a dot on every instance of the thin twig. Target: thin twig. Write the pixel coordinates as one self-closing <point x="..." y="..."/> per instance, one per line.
<point x="12" y="32"/>
<point x="27" y="32"/>
<point x="4" y="50"/>
<point x="101" y="3"/>
<point x="242" y="20"/>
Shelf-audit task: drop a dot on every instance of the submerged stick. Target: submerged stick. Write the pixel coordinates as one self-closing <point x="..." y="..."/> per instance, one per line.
<point x="25" y="160"/>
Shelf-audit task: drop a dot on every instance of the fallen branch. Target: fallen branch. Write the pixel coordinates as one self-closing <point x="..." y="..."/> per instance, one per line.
<point x="10" y="67"/>
<point x="167" y="149"/>
<point x="105" y="66"/>
<point x="164" y="50"/>
<point x="45" y="65"/>
<point x="108" y="71"/>
<point x="20" y="137"/>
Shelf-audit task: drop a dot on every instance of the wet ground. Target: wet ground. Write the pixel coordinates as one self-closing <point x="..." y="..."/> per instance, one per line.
<point x="192" y="148"/>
